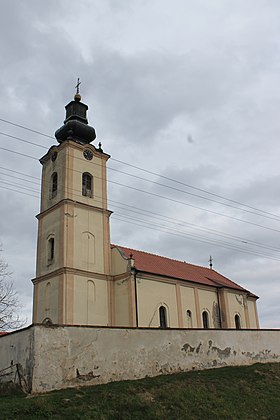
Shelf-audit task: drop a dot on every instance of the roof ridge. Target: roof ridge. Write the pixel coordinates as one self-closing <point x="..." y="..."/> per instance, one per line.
<point x="167" y="258"/>
<point x="230" y="281"/>
<point x="195" y="272"/>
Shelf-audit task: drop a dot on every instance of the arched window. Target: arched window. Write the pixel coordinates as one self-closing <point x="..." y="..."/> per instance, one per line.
<point x="87" y="184"/>
<point x="50" y="249"/>
<point x="205" y="319"/>
<point x="53" y="191"/>
<point x="189" y="319"/>
<point x="237" y="322"/>
<point x="162" y="317"/>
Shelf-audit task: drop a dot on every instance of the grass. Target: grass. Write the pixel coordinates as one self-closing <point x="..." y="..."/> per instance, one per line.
<point x="251" y="392"/>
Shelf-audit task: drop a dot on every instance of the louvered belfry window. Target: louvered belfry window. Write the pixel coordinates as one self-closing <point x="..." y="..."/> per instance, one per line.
<point x="87" y="184"/>
<point x="54" y="185"/>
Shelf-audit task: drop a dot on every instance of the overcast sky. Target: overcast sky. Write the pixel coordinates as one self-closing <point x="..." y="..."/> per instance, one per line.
<point x="186" y="89"/>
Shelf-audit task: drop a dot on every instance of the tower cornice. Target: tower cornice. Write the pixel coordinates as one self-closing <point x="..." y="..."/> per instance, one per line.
<point x="56" y="148"/>
<point x="76" y="203"/>
<point x="69" y="270"/>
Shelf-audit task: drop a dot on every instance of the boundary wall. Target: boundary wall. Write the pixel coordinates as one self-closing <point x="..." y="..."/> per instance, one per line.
<point x="55" y="357"/>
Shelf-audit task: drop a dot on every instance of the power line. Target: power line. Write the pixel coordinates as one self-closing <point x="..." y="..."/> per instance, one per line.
<point x="23" y="140"/>
<point x="26" y="128"/>
<point x="170" y="199"/>
<point x="20" y="192"/>
<point x="20" y="173"/>
<point x="166" y="198"/>
<point x="191" y="186"/>
<point x="18" y="185"/>
<point x="18" y="153"/>
<point x="155" y="215"/>
<point x="157" y="195"/>
<point x="195" y="195"/>
<point x="196" y="237"/>
<point x="180" y="234"/>
<point x="143" y="225"/>
<point x="200" y="228"/>
<point x="245" y="240"/>
<point x="17" y="177"/>
<point x="155" y="174"/>
<point x="196" y="207"/>
<point x="202" y="239"/>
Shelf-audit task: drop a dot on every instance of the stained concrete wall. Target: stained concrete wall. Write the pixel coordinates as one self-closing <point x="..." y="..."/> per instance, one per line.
<point x="16" y="357"/>
<point x="58" y="357"/>
<point x="72" y="356"/>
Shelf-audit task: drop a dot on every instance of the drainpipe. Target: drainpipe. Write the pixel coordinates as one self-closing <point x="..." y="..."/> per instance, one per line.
<point x="133" y="269"/>
<point x="219" y="307"/>
<point x="136" y="296"/>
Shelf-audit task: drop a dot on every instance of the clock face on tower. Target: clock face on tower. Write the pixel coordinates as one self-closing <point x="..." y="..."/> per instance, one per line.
<point x="88" y="154"/>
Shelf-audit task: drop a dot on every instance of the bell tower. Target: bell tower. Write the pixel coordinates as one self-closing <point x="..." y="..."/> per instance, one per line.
<point x="72" y="284"/>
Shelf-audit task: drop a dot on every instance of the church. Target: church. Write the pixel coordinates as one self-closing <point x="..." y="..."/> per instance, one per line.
<point x="83" y="279"/>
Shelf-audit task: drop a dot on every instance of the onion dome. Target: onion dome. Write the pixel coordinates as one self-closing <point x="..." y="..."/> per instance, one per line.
<point x="75" y="125"/>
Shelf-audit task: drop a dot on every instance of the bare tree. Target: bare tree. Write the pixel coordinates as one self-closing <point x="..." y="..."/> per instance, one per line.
<point x="9" y="301"/>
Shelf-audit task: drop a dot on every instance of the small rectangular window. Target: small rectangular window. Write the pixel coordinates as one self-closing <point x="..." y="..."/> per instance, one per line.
<point x="50" y="249"/>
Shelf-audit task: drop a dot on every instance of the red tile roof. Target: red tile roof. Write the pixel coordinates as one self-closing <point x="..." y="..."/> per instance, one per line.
<point x="155" y="264"/>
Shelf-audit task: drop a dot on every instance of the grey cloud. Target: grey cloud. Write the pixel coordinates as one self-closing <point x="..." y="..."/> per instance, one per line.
<point x="211" y="73"/>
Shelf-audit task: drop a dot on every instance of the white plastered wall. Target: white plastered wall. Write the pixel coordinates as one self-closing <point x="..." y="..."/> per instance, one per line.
<point x="153" y="294"/>
<point x="188" y="303"/>
<point x="252" y="314"/>
<point x="45" y="309"/>
<point x="48" y="169"/>
<point x="88" y="310"/>
<point x="93" y="167"/>
<point x="122" y="301"/>
<point x="208" y="302"/>
<point x="88" y="240"/>
<point x="50" y="227"/>
<point x="119" y="263"/>
<point x="236" y="307"/>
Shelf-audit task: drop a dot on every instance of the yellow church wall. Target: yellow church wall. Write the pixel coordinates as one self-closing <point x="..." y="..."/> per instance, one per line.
<point x="49" y="168"/>
<point x="151" y="295"/>
<point x="90" y="301"/>
<point x="49" y="227"/>
<point x="122" y="300"/>
<point x="208" y="302"/>
<point x="88" y="240"/>
<point x="188" y="304"/>
<point x="236" y="307"/>
<point x="119" y="264"/>
<point x="253" y="321"/>
<point x="93" y="167"/>
<point x="69" y="165"/>
<point x="47" y="300"/>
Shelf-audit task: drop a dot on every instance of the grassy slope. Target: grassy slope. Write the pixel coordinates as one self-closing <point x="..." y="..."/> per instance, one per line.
<point x="251" y="392"/>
